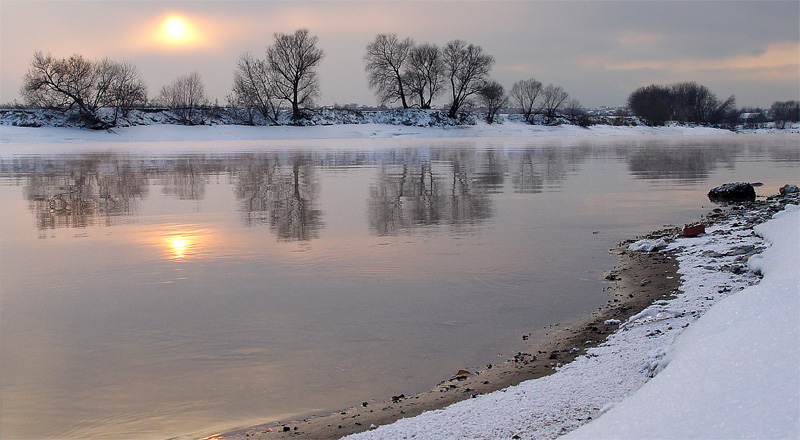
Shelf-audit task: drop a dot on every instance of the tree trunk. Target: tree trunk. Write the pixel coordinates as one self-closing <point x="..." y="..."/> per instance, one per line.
<point x="453" y="110"/>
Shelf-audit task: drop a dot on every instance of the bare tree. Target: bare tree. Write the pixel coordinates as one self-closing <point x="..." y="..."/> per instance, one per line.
<point x="652" y="103"/>
<point x="128" y="90"/>
<point x="466" y="67"/>
<point x="184" y="96"/>
<point x="384" y="62"/>
<point x="424" y="76"/>
<point x="493" y="97"/>
<point x="553" y="98"/>
<point x="253" y="88"/>
<point x="89" y="85"/>
<point x="684" y="102"/>
<point x="69" y="82"/>
<point x="527" y="94"/>
<point x="575" y="112"/>
<point x="293" y="60"/>
<point x="695" y="103"/>
<point x="786" y="111"/>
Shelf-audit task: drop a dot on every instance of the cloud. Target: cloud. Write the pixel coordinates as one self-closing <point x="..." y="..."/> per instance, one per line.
<point x="776" y="57"/>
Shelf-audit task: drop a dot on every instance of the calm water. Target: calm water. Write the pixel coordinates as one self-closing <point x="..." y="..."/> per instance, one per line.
<point x="196" y="288"/>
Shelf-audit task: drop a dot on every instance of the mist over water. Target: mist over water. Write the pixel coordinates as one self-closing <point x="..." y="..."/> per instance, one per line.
<point x="159" y="295"/>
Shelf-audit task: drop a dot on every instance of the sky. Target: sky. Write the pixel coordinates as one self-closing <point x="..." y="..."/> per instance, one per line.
<point x="599" y="51"/>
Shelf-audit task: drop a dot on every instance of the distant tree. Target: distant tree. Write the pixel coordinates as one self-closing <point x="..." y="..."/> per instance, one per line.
<point x="697" y="104"/>
<point x="682" y="102"/>
<point x="493" y="97"/>
<point x="253" y="89"/>
<point x="185" y="96"/>
<point x="785" y="111"/>
<point x="293" y="61"/>
<point x="385" y="61"/>
<point x="724" y="111"/>
<point x="424" y="75"/>
<point x="553" y="98"/>
<point x="652" y="104"/>
<point x="65" y="83"/>
<point x="128" y="90"/>
<point x="527" y="93"/>
<point x="466" y="67"/>
<point x="575" y="112"/>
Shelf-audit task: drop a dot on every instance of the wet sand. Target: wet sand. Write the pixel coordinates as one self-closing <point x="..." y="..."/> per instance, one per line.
<point x="636" y="281"/>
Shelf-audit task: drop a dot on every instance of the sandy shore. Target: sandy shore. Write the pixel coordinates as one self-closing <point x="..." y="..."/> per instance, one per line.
<point x="636" y="281"/>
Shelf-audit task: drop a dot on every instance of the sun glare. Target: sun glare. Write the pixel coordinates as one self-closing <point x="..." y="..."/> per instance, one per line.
<point x="175" y="27"/>
<point x="176" y="30"/>
<point x="179" y="247"/>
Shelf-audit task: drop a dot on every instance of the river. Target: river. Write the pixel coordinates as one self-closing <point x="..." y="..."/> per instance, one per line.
<point x="158" y="292"/>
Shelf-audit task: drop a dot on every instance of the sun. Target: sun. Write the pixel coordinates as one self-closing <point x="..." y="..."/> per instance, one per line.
<point x="175" y="27"/>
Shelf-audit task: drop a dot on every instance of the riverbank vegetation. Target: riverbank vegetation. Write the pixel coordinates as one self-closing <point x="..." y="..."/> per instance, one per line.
<point x="282" y="88"/>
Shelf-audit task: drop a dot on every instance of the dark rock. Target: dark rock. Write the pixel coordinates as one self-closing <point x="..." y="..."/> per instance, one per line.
<point x="733" y="192"/>
<point x="789" y="189"/>
<point x="693" y="231"/>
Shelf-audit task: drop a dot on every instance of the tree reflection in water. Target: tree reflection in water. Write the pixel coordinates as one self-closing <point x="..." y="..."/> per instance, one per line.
<point x="687" y="163"/>
<point x="428" y="192"/>
<point x="413" y="187"/>
<point x="283" y="197"/>
<point x="85" y="192"/>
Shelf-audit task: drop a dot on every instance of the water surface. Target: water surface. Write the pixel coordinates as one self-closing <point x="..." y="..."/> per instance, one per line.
<point x="150" y="291"/>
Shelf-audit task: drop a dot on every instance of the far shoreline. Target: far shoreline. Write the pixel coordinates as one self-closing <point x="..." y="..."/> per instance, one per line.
<point x="181" y="136"/>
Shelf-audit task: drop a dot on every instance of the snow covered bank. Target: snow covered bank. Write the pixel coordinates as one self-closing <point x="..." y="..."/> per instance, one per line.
<point x="176" y="133"/>
<point x="732" y="374"/>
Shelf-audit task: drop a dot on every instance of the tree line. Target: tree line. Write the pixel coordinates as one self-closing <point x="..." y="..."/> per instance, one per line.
<point x="414" y="74"/>
<point x="399" y="71"/>
<point x="691" y="102"/>
<point x="681" y="102"/>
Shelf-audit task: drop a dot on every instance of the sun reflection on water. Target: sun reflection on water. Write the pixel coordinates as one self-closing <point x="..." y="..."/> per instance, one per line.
<point x="178" y="247"/>
<point x="182" y="245"/>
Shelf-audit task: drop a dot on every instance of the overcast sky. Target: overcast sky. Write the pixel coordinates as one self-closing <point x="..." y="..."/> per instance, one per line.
<point x="599" y="52"/>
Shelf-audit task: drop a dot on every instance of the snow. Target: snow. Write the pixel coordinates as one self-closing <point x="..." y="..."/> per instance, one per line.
<point x="647" y="245"/>
<point x="733" y="372"/>
<point x="155" y="132"/>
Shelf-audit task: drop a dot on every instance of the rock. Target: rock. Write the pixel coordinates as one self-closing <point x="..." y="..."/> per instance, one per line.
<point x="693" y="231"/>
<point x="733" y="192"/>
<point x="789" y="189"/>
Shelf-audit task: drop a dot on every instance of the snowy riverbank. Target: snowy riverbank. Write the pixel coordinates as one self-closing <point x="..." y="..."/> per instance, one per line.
<point x="179" y="133"/>
<point x="732" y="374"/>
